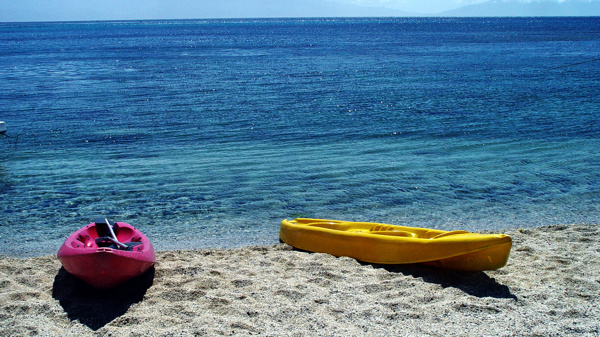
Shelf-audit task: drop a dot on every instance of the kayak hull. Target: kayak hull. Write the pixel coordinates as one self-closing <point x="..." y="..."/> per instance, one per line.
<point x="389" y="244"/>
<point x="105" y="267"/>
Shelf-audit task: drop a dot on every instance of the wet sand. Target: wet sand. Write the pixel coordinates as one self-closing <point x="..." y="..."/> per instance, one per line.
<point x="550" y="287"/>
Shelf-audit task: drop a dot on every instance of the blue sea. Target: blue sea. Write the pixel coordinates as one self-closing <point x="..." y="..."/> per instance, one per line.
<point x="207" y="133"/>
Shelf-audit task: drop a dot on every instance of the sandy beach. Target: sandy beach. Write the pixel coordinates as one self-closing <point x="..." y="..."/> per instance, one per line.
<point x="550" y="287"/>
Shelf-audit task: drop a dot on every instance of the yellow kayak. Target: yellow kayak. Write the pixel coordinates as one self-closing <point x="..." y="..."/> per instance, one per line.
<point x="389" y="244"/>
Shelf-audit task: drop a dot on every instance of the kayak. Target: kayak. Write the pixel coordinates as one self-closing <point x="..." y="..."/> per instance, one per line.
<point x="105" y="254"/>
<point x="390" y="244"/>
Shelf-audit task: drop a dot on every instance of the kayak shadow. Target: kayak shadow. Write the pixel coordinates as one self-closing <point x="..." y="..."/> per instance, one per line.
<point x="475" y="283"/>
<point x="97" y="307"/>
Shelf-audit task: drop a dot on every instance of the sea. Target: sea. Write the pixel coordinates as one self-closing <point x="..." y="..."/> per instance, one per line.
<point x="208" y="133"/>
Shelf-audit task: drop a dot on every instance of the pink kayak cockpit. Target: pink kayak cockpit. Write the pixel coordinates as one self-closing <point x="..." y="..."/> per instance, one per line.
<point x="119" y="236"/>
<point x="91" y="237"/>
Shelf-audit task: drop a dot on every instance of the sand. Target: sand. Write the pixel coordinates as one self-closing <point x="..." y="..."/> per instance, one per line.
<point x="550" y="287"/>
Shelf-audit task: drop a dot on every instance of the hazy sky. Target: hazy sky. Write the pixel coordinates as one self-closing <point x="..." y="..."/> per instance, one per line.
<point x="420" y="6"/>
<point x="82" y="10"/>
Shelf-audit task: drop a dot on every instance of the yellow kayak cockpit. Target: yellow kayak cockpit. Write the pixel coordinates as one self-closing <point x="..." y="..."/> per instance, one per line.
<point x="391" y="244"/>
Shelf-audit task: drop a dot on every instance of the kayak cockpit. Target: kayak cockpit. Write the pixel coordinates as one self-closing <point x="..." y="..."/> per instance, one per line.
<point x="103" y="234"/>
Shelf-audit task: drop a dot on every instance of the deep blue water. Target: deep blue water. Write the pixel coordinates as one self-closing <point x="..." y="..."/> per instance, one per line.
<point x="208" y="133"/>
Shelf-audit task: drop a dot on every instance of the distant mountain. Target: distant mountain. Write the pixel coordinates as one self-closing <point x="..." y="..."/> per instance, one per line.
<point x="534" y="8"/>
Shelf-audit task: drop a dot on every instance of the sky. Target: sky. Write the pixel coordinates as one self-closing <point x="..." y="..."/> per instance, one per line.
<point x="419" y="6"/>
<point x="87" y="10"/>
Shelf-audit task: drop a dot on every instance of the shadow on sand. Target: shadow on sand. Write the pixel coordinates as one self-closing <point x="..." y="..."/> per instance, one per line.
<point x="93" y="307"/>
<point x="475" y="283"/>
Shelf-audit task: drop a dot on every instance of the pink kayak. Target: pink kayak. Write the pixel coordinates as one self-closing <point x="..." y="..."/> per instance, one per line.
<point x="105" y="255"/>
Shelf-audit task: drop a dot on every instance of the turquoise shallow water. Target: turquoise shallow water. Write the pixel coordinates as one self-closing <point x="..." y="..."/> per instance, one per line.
<point x="209" y="133"/>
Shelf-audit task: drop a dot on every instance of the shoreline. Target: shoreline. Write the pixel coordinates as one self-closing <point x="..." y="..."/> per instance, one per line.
<point x="550" y="287"/>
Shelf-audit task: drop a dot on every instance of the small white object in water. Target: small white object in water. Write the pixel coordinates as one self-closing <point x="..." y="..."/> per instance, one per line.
<point x="2" y="128"/>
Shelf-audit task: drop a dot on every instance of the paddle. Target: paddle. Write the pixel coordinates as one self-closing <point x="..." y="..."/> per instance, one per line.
<point x="102" y="224"/>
